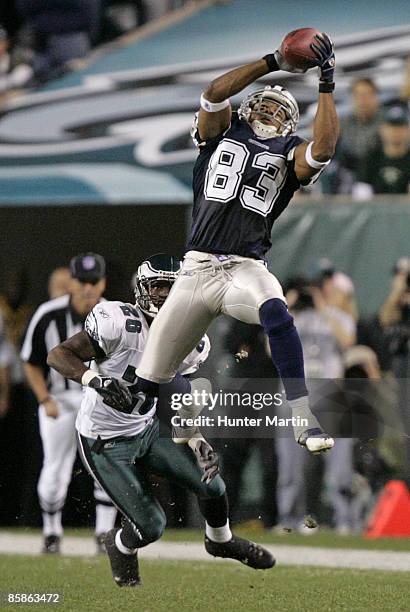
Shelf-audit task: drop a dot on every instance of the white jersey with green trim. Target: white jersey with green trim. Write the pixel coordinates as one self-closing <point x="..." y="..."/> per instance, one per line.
<point x="121" y="330"/>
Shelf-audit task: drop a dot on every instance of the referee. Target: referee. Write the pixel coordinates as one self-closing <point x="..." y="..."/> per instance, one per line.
<point x="59" y="399"/>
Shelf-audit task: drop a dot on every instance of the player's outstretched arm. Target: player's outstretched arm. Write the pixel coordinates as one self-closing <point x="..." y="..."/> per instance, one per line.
<point x="68" y="357"/>
<point x="215" y="112"/>
<point x="311" y="157"/>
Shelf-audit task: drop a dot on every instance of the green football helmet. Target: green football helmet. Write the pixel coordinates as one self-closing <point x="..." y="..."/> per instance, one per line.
<point x="156" y="271"/>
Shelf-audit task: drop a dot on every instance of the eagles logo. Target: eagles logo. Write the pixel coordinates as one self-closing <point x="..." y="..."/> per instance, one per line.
<point x="104" y="314"/>
<point x="142" y="117"/>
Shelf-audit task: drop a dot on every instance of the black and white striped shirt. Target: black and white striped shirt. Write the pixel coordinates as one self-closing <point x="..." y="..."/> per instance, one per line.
<point x="52" y="323"/>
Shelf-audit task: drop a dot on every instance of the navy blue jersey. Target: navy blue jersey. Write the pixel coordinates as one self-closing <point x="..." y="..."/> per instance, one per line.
<point x="241" y="184"/>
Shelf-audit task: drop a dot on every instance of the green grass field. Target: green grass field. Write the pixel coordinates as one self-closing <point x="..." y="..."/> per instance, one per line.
<point x="86" y="582"/>
<point x="170" y="586"/>
<point x="323" y="538"/>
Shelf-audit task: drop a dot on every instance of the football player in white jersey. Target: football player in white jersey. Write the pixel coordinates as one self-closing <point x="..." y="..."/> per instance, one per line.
<point x="118" y="429"/>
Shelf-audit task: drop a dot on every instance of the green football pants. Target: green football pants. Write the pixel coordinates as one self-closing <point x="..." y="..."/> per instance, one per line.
<point x="121" y="467"/>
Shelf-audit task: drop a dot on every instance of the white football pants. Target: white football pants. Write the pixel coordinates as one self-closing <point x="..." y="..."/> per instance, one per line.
<point x="59" y="449"/>
<point x="207" y="286"/>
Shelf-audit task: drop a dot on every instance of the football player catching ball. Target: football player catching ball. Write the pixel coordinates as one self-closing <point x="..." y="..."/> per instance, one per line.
<point x="250" y="163"/>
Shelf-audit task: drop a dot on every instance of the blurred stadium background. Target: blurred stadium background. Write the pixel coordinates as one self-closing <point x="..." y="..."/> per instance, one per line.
<point x="95" y="155"/>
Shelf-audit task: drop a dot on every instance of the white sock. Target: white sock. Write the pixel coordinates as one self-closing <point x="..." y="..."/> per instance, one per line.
<point x="301" y="410"/>
<point x="219" y="534"/>
<point x="121" y="547"/>
<point x="52" y="524"/>
<point x="104" y="518"/>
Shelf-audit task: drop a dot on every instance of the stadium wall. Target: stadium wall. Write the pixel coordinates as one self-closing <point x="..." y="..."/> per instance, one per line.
<point x="41" y="239"/>
<point x="362" y="239"/>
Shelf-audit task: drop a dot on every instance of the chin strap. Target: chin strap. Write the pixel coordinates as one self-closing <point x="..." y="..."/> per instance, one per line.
<point x="264" y="131"/>
<point x="145" y="310"/>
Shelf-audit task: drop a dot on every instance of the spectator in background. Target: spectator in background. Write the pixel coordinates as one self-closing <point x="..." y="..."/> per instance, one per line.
<point x="62" y="32"/>
<point x="338" y="292"/>
<point x="15" y="312"/>
<point x="121" y="16"/>
<point x="378" y="451"/>
<point x="49" y="36"/>
<point x="15" y="69"/>
<point x="386" y="169"/>
<point x="17" y="433"/>
<point x="11" y="437"/>
<point x="13" y="304"/>
<point x="325" y="332"/>
<point x="332" y="299"/>
<point x="395" y="319"/>
<point x="4" y="372"/>
<point x="359" y="132"/>
<point x="395" y="309"/>
<point x="59" y="282"/>
<point x="248" y="347"/>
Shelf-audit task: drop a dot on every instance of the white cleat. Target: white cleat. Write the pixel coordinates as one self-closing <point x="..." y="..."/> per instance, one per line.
<point x="316" y="441"/>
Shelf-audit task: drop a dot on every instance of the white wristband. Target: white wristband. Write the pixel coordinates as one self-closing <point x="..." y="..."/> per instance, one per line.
<point x="213" y="107"/>
<point x="87" y="377"/>
<point x="312" y="162"/>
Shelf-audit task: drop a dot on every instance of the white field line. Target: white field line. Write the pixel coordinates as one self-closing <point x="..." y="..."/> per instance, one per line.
<point x="11" y="543"/>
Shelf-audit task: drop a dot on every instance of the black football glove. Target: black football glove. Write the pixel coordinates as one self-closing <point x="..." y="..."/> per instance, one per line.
<point x="276" y="61"/>
<point x="207" y="458"/>
<point x="115" y="394"/>
<point x="325" y="55"/>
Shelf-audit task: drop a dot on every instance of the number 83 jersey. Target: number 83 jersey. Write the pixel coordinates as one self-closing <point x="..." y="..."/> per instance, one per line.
<point x="241" y="184"/>
<point x="119" y="332"/>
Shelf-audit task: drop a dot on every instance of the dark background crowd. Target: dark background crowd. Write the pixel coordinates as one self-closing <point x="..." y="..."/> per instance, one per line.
<point x="40" y="40"/>
<point x="266" y="476"/>
<point x="373" y="151"/>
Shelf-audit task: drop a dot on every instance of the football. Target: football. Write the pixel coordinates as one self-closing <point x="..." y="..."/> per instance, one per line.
<point x="295" y="48"/>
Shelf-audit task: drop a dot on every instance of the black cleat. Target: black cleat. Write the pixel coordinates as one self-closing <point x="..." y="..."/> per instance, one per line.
<point x="246" y="552"/>
<point x="100" y="544"/>
<point x="51" y="545"/>
<point x="124" y="567"/>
